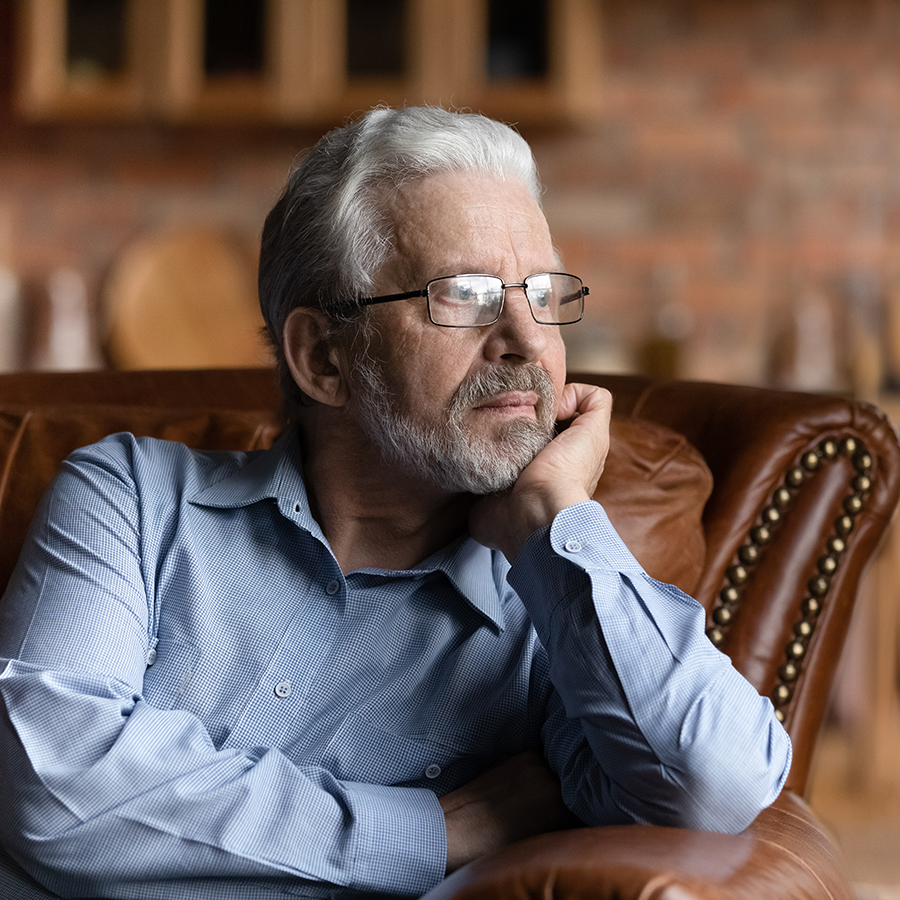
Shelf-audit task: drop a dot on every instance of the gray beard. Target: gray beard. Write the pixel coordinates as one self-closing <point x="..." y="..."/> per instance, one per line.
<point x="448" y="455"/>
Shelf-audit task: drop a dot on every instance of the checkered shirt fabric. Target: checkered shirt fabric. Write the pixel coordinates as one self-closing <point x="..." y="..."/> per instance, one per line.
<point x="198" y="703"/>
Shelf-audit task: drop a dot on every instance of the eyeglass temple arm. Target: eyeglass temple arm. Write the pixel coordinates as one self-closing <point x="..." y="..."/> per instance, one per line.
<point x="387" y="298"/>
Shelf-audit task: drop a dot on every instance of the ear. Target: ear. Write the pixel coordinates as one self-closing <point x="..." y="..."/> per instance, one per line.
<point x="312" y="358"/>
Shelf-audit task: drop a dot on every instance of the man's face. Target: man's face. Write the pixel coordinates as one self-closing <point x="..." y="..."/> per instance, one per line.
<point x="466" y="408"/>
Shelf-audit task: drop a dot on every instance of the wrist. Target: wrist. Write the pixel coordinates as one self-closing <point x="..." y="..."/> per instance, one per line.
<point x="536" y="511"/>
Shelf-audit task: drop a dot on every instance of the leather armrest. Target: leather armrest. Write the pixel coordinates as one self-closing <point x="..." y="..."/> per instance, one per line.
<point x="785" y="853"/>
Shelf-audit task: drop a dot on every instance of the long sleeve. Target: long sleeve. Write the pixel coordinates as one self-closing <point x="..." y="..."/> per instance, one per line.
<point x="676" y="735"/>
<point x="105" y="794"/>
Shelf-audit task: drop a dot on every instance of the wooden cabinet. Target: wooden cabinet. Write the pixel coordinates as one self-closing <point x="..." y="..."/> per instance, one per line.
<point x="306" y="61"/>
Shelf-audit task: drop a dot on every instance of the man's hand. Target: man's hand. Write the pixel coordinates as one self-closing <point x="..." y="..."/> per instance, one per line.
<point x="565" y="472"/>
<point x="516" y="799"/>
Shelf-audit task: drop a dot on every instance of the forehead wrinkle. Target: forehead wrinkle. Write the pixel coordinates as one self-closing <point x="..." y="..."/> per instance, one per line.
<point x="441" y="228"/>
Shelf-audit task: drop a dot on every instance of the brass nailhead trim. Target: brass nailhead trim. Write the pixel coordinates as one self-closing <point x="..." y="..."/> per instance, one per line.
<point x="722" y="615"/>
<point x="810" y="462"/>
<point x="844" y="525"/>
<point x="789" y="672"/>
<point x="729" y="594"/>
<point x="810" y="607"/>
<point x="827" y="565"/>
<point x="783" y="693"/>
<point x="749" y="554"/>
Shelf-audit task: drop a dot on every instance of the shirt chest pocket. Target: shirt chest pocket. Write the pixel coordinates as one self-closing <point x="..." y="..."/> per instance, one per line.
<point x="364" y="750"/>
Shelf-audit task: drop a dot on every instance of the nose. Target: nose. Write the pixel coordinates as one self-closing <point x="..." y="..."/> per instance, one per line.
<point x="516" y="336"/>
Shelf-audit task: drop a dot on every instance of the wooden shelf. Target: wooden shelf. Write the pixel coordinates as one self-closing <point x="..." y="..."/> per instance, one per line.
<point x="304" y="78"/>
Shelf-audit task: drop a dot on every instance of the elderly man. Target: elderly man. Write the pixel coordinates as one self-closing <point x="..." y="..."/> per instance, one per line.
<point x="403" y="637"/>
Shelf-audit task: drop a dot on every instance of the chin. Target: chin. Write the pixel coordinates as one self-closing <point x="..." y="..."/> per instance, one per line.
<point x="483" y="468"/>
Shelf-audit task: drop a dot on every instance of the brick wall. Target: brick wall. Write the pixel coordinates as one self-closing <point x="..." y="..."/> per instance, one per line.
<point x="746" y="172"/>
<point x="741" y="180"/>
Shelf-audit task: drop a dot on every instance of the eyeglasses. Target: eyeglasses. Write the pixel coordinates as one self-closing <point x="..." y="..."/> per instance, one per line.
<point x="470" y="301"/>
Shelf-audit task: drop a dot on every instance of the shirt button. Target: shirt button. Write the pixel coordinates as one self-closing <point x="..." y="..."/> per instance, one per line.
<point x="151" y="656"/>
<point x="332" y="587"/>
<point x="283" y="689"/>
<point x="433" y="771"/>
<point x="573" y="546"/>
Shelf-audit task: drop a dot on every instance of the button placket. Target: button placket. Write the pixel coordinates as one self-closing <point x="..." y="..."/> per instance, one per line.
<point x="152" y="653"/>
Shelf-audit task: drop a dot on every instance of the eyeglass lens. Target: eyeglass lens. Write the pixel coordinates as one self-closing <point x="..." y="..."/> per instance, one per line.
<point x="467" y="300"/>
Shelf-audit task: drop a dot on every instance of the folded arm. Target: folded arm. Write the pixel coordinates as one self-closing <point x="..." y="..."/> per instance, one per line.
<point x="101" y="789"/>
<point x="676" y="735"/>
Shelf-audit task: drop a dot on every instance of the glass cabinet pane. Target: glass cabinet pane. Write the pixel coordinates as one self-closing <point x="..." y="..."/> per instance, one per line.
<point x="95" y="38"/>
<point x="517" y="39"/>
<point x="234" y="37"/>
<point x="376" y="38"/>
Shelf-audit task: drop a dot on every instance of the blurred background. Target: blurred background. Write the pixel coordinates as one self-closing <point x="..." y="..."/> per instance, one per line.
<point x="723" y="174"/>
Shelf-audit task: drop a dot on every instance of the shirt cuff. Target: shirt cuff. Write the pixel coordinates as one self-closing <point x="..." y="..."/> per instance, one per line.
<point x="402" y="844"/>
<point x="583" y="534"/>
<point x="554" y="561"/>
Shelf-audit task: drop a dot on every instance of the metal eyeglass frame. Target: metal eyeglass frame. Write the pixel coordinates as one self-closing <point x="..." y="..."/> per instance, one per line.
<point x="408" y="295"/>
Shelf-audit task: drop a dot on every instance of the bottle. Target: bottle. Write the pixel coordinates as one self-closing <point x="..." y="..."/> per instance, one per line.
<point x="10" y="320"/>
<point x="70" y="343"/>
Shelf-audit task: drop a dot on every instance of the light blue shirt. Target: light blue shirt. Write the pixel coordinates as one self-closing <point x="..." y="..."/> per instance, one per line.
<point x="197" y="702"/>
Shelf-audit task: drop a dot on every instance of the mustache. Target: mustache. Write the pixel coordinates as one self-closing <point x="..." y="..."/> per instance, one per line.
<point x="488" y="383"/>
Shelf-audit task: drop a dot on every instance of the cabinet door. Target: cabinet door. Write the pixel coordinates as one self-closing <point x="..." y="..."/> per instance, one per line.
<point x="83" y="58"/>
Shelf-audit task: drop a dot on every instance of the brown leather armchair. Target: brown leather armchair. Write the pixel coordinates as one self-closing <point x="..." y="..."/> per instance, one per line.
<point x="802" y="491"/>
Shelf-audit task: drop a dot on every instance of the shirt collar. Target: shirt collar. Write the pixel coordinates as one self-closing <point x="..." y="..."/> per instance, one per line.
<point x="277" y="474"/>
<point x="470" y="568"/>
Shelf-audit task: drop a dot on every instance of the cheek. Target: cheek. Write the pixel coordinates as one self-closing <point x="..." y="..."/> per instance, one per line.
<point x="427" y="366"/>
<point x="555" y="363"/>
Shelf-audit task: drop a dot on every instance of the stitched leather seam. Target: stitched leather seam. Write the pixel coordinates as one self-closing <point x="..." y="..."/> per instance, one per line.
<point x="6" y="474"/>
<point x="750" y="552"/>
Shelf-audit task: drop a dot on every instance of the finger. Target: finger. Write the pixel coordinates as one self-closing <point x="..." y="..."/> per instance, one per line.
<point x="578" y="399"/>
<point x="589" y="430"/>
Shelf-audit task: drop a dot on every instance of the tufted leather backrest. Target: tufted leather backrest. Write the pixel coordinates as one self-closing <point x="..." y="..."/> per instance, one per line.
<point x="765" y="505"/>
